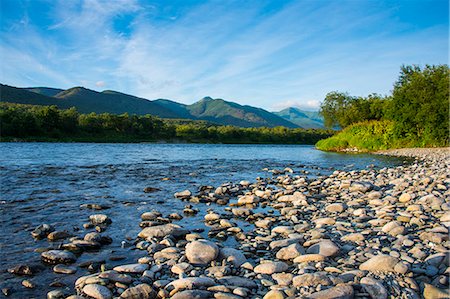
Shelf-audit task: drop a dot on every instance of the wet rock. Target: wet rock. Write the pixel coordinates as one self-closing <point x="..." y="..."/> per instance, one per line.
<point x="374" y="288"/>
<point x="270" y="267"/>
<point x="42" y="231"/>
<point x="183" y="194"/>
<point x="94" y="206"/>
<point x="28" y="284"/>
<point x="99" y="219"/>
<point x="201" y="252"/>
<point x="141" y="291"/>
<point x="64" y="269"/>
<point x="337" y="292"/>
<point x="58" y="257"/>
<point x="23" y="270"/>
<point x="151" y="189"/>
<point x="57" y="235"/>
<point x="97" y="291"/>
<point x="164" y="230"/>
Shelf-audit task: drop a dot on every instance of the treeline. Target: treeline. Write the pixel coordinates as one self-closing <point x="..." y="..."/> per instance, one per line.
<point x="48" y="123"/>
<point x="416" y="113"/>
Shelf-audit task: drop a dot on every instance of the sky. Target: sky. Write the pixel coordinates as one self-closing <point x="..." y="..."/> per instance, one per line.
<point x="269" y="54"/>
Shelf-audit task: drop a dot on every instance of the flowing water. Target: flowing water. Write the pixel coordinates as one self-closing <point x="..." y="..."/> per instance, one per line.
<point x="47" y="183"/>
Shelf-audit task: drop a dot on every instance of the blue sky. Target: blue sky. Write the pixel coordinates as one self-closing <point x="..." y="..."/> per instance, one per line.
<point x="270" y="54"/>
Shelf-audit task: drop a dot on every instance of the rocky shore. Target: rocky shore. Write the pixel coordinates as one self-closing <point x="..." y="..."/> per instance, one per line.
<point x="353" y="234"/>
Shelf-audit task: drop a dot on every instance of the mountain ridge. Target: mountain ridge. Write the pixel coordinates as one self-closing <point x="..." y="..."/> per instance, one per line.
<point x="85" y="100"/>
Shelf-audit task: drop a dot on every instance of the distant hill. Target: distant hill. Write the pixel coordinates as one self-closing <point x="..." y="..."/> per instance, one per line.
<point x="304" y="119"/>
<point x="46" y="91"/>
<point x="24" y="96"/>
<point x="229" y="113"/>
<point x="180" y="109"/>
<point x="85" y="100"/>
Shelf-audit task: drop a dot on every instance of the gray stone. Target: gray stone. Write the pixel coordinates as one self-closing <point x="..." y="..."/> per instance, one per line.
<point x="97" y="291"/>
<point x="201" y="252"/>
<point x="337" y="292"/>
<point x="374" y="287"/>
<point x="58" y="257"/>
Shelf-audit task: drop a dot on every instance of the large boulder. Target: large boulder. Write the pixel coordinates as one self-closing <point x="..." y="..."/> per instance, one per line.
<point x="201" y="252"/>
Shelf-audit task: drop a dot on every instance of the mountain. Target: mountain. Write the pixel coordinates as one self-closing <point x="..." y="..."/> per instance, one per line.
<point x="304" y="119"/>
<point x="46" y="91"/>
<point x="180" y="109"/>
<point x="85" y="101"/>
<point x="229" y="113"/>
<point x="23" y="96"/>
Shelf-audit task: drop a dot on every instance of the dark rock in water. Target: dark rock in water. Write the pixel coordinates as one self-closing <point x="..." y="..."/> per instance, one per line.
<point x="58" y="257"/>
<point x="28" y="284"/>
<point x="6" y="291"/>
<point x="24" y="269"/>
<point x="63" y="269"/>
<point x="99" y="219"/>
<point x="151" y="189"/>
<point x="58" y="235"/>
<point x="42" y="231"/>
<point x="94" y="206"/>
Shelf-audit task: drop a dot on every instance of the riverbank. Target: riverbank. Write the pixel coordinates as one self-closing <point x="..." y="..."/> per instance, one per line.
<point x="360" y="233"/>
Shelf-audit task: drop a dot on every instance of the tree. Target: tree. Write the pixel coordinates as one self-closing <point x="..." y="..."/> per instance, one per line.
<point x="420" y="104"/>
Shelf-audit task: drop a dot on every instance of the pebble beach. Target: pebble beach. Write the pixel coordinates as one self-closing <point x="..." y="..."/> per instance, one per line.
<point x="371" y="233"/>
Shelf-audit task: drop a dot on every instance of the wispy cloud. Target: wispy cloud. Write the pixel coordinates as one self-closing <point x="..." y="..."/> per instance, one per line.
<point x="267" y="54"/>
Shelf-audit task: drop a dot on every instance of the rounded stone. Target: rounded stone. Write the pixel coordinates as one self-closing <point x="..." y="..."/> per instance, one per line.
<point x="58" y="257"/>
<point x="97" y="291"/>
<point x="271" y="267"/>
<point x="201" y="252"/>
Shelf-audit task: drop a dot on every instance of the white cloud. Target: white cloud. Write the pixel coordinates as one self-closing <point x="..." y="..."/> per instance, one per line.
<point x="100" y="83"/>
<point x="309" y="105"/>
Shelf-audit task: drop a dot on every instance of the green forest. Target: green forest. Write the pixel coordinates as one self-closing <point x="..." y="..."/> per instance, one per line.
<point x="416" y="114"/>
<point x="48" y="123"/>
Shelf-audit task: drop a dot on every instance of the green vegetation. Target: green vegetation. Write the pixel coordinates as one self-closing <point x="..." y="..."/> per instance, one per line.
<point x="416" y="115"/>
<point x="108" y="101"/>
<point x="48" y="123"/>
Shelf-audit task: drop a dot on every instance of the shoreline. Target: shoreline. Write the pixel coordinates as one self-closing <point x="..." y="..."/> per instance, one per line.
<point x="352" y="233"/>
